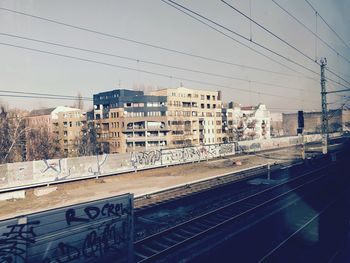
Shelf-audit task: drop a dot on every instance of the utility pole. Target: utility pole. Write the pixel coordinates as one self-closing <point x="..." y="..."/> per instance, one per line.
<point x="324" y="107"/>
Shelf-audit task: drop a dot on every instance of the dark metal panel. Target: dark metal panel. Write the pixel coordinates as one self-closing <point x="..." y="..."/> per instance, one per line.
<point x="99" y="231"/>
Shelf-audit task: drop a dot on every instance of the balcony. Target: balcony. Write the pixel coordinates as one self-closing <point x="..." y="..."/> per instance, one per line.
<point x="143" y="128"/>
<point x="144" y="138"/>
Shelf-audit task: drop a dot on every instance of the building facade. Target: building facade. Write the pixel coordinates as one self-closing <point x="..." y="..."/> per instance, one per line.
<point x="194" y="116"/>
<point x="128" y="120"/>
<point x="65" y="123"/>
<point x="245" y="123"/>
<point x="276" y="126"/>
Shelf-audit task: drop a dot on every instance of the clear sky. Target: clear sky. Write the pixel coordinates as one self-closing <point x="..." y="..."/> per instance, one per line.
<point x="156" y="23"/>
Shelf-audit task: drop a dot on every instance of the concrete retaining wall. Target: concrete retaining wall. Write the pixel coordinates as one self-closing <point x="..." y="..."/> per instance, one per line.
<point x="58" y="170"/>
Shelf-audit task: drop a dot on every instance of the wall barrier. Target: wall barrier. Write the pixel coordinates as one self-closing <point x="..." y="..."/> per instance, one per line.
<point x="99" y="231"/>
<point x="24" y="174"/>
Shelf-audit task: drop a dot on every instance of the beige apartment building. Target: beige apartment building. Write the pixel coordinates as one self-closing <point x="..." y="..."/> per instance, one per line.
<point x="194" y="116"/>
<point x="64" y="122"/>
<point x="124" y="131"/>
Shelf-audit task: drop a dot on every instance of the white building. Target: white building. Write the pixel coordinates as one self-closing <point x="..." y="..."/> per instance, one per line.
<point x="246" y="123"/>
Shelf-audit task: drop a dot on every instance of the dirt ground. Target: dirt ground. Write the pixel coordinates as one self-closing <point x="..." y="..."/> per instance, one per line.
<point x="137" y="183"/>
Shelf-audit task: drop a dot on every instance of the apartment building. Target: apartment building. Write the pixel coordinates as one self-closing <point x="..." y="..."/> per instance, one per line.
<point x="245" y="123"/>
<point x="65" y="123"/>
<point x="68" y="125"/>
<point x="128" y="120"/>
<point x="194" y="116"/>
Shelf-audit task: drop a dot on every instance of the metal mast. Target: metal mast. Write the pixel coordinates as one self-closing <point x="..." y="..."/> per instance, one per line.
<point x="324" y="107"/>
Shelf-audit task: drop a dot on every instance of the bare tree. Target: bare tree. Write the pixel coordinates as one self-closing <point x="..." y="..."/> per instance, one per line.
<point x="87" y="143"/>
<point x="12" y="136"/>
<point x="238" y="130"/>
<point x="42" y="144"/>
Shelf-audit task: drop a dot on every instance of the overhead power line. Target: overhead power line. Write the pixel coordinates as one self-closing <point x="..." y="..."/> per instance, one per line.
<point x="45" y="94"/>
<point x="145" y="71"/>
<point x="290" y="109"/>
<point x="269" y="31"/>
<point x="150" y="62"/>
<point x="281" y="39"/>
<point x="311" y="31"/>
<point x="183" y="9"/>
<point x="337" y="75"/>
<point x="146" y="44"/>
<point x="38" y="97"/>
<point x="241" y="36"/>
<point x="318" y="13"/>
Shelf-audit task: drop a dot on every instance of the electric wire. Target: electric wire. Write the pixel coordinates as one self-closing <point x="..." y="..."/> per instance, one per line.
<point x="146" y="61"/>
<point x="44" y="94"/>
<point x="311" y="31"/>
<point x="143" y="71"/>
<point x="268" y="31"/>
<point x="39" y="97"/>
<point x="241" y="36"/>
<point x="281" y="39"/>
<point x="147" y="44"/>
<point x="318" y="13"/>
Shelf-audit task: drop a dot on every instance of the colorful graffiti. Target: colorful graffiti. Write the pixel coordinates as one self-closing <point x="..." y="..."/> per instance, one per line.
<point x="46" y="171"/>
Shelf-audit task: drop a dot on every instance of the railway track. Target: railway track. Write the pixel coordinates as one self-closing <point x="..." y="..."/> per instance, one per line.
<point x="157" y="198"/>
<point x="163" y="243"/>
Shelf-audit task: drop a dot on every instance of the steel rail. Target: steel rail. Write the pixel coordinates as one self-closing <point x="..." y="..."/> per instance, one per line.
<point x="248" y="206"/>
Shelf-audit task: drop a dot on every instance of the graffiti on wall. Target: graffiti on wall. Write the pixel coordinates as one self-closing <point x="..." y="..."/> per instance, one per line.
<point x="147" y="158"/>
<point x="96" y="169"/>
<point x="55" y="168"/>
<point x="98" y="231"/>
<point x="180" y="155"/>
<point x="14" y="239"/>
<point x="226" y="149"/>
<point x="19" y="174"/>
